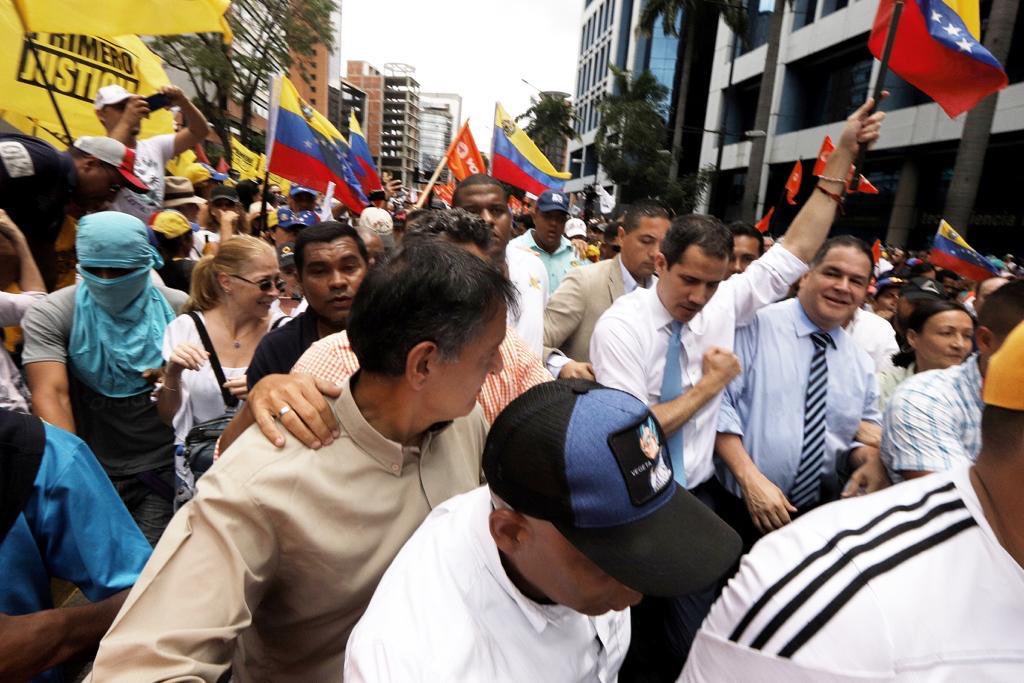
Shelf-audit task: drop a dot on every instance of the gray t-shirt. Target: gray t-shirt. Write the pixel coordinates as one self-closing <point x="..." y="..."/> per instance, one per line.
<point x="126" y="434"/>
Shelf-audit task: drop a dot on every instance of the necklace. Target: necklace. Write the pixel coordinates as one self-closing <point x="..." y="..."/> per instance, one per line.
<point x="237" y="344"/>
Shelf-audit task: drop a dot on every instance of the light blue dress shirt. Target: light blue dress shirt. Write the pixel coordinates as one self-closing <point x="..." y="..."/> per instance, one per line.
<point x="558" y="264"/>
<point x="765" y="404"/>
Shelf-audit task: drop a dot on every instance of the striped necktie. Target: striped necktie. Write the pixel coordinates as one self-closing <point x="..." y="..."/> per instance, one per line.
<point x="672" y="387"/>
<point x="807" y="485"/>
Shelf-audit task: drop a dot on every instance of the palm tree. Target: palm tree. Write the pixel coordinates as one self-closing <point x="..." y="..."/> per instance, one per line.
<point x="692" y="12"/>
<point x="551" y="119"/>
<point x="970" y="156"/>
<point x="629" y="137"/>
<point x="762" y="116"/>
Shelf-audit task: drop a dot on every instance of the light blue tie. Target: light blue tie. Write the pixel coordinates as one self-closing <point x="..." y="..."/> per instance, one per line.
<point x="672" y="387"/>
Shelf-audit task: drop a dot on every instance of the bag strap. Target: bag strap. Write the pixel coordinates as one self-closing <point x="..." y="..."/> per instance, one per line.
<point x="230" y="400"/>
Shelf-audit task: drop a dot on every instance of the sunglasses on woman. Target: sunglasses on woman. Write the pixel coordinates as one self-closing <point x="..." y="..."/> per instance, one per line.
<point x="266" y="284"/>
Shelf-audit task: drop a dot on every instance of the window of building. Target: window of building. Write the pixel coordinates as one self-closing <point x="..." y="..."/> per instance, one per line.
<point x="803" y="13"/>
<point x="740" y="108"/>
<point x="757" y="27"/>
<point x="825" y="87"/>
<point x="830" y="6"/>
<point x="589" y="160"/>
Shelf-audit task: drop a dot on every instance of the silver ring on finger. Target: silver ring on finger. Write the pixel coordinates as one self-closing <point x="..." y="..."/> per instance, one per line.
<point x="284" y="411"/>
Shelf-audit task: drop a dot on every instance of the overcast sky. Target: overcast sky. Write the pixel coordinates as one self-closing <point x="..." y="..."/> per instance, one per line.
<point x="480" y="49"/>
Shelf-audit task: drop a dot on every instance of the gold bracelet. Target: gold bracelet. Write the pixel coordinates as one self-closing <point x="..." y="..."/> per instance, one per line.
<point x="831" y="179"/>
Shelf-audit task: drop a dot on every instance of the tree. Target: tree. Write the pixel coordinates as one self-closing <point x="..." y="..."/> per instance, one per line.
<point x="551" y="118"/>
<point x="970" y="155"/>
<point x="692" y="13"/>
<point x="762" y="115"/>
<point x="629" y="144"/>
<point x="269" y="36"/>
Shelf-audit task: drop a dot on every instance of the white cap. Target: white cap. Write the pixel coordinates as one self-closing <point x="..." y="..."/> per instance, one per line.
<point x="377" y="220"/>
<point x="574" y="227"/>
<point x="110" y="94"/>
<point x="113" y="152"/>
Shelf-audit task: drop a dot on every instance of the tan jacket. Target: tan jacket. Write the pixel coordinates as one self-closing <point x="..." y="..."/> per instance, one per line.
<point x="574" y="308"/>
<point x="271" y="565"/>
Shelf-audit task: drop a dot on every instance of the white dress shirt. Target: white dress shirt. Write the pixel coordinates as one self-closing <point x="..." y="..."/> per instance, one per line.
<point x="875" y="335"/>
<point x="530" y="277"/>
<point x="447" y="611"/>
<point x="631" y="338"/>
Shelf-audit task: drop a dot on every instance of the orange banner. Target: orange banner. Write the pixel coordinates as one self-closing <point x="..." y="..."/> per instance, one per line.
<point x="464" y="158"/>
<point x="515" y="205"/>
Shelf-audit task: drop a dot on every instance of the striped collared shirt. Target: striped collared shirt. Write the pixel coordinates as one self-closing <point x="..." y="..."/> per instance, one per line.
<point x="333" y="360"/>
<point x="933" y="421"/>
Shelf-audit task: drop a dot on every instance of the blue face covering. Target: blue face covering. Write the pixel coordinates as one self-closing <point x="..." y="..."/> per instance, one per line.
<point x="119" y="323"/>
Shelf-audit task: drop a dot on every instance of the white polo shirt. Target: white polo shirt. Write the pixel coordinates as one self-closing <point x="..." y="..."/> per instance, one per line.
<point x="527" y="273"/>
<point x="447" y="611"/>
<point x="629" y="343"/>
<point x="907" y="584"/>
<point x="876" y="335"/>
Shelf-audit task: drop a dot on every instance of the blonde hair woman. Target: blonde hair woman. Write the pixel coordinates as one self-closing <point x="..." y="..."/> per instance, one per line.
<point x="231" y="296"/>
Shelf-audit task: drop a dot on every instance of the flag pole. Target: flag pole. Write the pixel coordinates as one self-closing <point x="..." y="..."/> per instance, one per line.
<point x="29" y="38"/>
<point x="440" y="167"/>
<point x="883" y="70"/>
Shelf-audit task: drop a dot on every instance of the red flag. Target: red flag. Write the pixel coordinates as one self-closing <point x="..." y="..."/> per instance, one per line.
<point x="201" y="154"/>
<point x="796" y="176"/>
<point x="222" y="166"/>
<point x="445" y="193"/>
<point x="823" y="154"/>
<point x="936" y="51"/>
<point x="464" y="158"/>
<point x="766" y="222"/>
<point x="876" y="249"/>
<point x="866" y="187"/>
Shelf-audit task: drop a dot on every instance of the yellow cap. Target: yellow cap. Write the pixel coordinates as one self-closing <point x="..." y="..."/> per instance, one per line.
<point x="170" y="223"/>
<point x="1004" y="378"/>
<point x="196" y="173"/>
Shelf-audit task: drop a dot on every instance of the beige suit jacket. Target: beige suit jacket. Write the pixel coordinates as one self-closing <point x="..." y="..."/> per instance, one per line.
<point x="574" y="308"/>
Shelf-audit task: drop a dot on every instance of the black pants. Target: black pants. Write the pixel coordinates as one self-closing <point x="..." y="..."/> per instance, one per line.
<point x="664" y="628"/>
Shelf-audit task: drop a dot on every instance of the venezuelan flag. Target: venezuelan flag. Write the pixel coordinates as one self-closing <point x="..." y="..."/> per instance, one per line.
<point x="937" y="49"/>
<point x="362" y="160"/>
<point x="951" y="251"/>
<point x="516" y="160"/>
<point x="305" y="148"/>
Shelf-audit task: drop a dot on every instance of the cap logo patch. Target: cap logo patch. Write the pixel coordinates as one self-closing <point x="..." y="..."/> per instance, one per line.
<point x="643" y="458"/>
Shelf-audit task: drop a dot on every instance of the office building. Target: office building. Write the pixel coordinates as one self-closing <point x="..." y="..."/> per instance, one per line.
<point x="825" y="71"/>
<point x="370" y="81"/>
<point x="400" y="133"/>
<point x="439" y="121"/>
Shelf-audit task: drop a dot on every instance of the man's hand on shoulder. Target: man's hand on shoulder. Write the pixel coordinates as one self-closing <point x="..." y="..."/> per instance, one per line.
<point x="298" y="402"/>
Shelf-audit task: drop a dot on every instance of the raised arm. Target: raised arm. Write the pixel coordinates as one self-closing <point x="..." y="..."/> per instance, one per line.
<point x="811" y="226"/>
<point x="196" y="128"/>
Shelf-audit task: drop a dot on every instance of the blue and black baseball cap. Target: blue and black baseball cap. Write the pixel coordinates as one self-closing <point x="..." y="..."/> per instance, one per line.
<point x="594" y="462"/>
<point x="550" y="200"/>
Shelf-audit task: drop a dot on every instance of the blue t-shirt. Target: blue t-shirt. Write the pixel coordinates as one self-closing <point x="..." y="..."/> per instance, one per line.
<point x="74" y="527"/>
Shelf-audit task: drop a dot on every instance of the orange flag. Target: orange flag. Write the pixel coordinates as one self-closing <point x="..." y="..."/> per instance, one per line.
<point x="876" y="249"/>
<point x="515" y="205"/>
<point x="464" y="158"/>
<point x="444" y="192"/>
<point x="766" y="222"/>
<point x="866" y="187"/>
<point x="796" y="176"/>
<point x="823" y="154"/>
